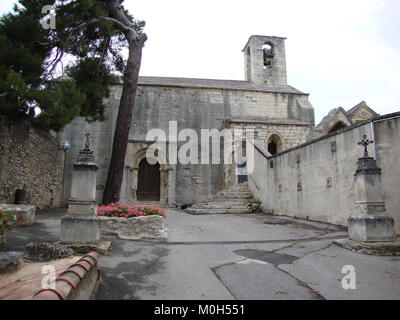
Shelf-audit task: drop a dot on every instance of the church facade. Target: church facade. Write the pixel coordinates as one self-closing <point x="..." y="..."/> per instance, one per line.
<point x="280" y="116"/>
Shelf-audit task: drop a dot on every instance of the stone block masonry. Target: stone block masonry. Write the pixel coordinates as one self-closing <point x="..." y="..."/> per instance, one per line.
<point x="280" y="114"/>
<point x="316" y="180"/>
<point x="32" y="158"/>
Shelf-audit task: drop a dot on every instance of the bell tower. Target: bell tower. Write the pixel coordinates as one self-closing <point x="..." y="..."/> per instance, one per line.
<point x="265" y="61"/>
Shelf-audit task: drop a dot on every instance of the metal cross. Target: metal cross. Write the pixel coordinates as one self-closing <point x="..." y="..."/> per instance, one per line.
<point x="365" y="142"/>
<point x="87" y="143"/>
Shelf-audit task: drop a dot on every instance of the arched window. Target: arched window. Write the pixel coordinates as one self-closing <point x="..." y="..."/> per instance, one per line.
<point x="268" y="54"/>
<point x="274" y="144"/>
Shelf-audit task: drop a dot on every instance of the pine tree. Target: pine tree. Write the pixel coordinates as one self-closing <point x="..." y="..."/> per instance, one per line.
<point x="36" y="86"/>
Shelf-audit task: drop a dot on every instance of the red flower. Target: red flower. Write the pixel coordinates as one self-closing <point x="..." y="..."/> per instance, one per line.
<point x="5" y="219"/>
<point x="19" y="223"/>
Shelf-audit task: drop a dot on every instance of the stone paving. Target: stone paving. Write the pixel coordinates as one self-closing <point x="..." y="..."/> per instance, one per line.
<point x="243" y="256"/>
<point x="226" y="257"/>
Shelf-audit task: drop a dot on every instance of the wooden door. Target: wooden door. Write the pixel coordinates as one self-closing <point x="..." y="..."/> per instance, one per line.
<point x="148" y="181"/>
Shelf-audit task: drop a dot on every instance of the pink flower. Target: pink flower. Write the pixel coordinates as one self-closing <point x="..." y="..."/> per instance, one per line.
<point x="19" y="223"/>
<point x="5" y="219"/>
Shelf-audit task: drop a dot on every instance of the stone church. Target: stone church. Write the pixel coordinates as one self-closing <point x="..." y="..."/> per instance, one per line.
<point x="280" y="115"/>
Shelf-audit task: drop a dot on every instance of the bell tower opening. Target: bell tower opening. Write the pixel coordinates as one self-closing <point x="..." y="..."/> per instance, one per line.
<point x="268" y="55"/>
<point x="265" y="60"/>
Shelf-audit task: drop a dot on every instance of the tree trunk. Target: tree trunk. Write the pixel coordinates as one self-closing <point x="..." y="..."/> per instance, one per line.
<point x="123" y="124"/>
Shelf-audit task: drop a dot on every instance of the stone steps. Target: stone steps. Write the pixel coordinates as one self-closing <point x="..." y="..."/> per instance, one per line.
<point x="212" y="205"/>
<point x="231" y="200"/>
<point x="215" y="211"/>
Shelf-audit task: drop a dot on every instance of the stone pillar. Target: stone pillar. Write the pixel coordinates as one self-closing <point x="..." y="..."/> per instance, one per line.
<point x="164" y="186"/>
<point x="133" y="184"/>
<point x="171" y="186"/>
<point x="81" y="224"/>
<point x="370" y="224"/>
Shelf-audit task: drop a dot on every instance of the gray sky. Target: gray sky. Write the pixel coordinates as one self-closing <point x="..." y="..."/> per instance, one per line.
<point x="341" y="51"/>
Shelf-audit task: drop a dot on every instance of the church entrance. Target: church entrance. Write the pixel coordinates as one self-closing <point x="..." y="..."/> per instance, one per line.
<point x="148" y="181"/>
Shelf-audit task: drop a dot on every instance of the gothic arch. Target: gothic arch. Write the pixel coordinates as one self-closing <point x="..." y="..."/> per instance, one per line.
<point x="274" y="143"/>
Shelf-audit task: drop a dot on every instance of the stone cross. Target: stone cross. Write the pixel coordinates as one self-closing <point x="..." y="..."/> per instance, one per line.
<point x="365" y="142"/>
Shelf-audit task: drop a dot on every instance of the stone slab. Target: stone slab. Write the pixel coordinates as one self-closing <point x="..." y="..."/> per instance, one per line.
<point x="102" y="247"/>
<point x="80" y="229"/>
<point x="371" y="228"/>
<point x="135" y="227"/>
<point x="26" y="213"/>
<point x="375" y="248"/>
<point x="377" y="278"/>
<point x="266" y="281"/>
<point x="44" y="252"/>
<point x="9" y="261"/>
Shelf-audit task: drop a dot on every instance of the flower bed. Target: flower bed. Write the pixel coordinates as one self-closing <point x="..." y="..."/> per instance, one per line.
<point x="123" y="210"/>
<point x="132" y="222"/>
<point x="7" y="220"/>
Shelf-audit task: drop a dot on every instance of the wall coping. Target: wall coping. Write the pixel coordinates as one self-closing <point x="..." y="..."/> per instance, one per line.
<point x="330" y="135"/>
<point x="74" y="276"/>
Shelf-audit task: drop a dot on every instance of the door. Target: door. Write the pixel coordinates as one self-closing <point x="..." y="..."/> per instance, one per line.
<point x="242" y="172"/>
<point x="148" y="181"/>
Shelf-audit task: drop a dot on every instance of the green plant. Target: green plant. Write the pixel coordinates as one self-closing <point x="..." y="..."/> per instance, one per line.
<point x="7" y="220"/>
<point x="253" y="205"/>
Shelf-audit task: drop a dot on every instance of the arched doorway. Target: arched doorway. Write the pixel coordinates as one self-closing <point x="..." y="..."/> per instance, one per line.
<point x="272" y="147"/>
<point x="274" y="144"/>
<point x="148" y="187"/>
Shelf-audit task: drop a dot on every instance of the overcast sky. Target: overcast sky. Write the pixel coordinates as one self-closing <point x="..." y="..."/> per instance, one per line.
<point x="340" y="52"/>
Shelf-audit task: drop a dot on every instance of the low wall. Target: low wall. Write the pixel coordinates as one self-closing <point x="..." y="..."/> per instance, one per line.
<point x="32" y="158"/>
<point x="316" y="180"/>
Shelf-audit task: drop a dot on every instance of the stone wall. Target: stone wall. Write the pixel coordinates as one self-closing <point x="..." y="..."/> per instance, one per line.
<point x="291" y="135"/>
<point x="316" y="180"/>
<point x="196" y="104"/>
<point x="30" y="158"/>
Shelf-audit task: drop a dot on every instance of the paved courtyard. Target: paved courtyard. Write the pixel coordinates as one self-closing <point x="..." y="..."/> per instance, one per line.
<point x="239" y="256"/>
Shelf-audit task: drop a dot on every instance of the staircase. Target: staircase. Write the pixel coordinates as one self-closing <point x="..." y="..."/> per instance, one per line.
<point x="231" y="200"/>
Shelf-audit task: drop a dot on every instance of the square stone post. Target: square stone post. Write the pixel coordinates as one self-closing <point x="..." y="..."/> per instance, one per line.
<point x="370" y="224"/>
<point x="81" y="224"/>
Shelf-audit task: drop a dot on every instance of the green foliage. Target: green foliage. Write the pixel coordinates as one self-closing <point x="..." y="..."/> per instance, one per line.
<point x="94" y="79"/>
<point x="7" y="220"/>
<point x="34" y="83"/>
<point x="253" y="205"/>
